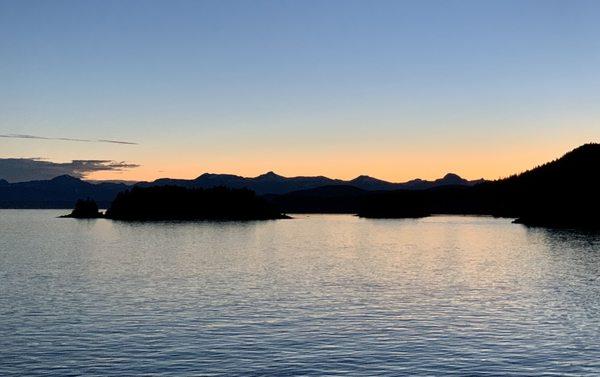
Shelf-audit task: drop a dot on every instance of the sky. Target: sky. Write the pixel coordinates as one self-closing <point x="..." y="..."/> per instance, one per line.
<point x="138" y="90"/>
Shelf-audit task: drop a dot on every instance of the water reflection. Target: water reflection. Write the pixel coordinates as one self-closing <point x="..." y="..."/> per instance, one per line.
<point x="315" y="295"/>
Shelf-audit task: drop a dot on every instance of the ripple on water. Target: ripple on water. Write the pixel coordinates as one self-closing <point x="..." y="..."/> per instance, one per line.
<point x="318" y="295"/>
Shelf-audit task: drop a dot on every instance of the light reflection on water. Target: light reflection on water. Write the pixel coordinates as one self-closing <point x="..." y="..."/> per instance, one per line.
<point x="317" y="295"/>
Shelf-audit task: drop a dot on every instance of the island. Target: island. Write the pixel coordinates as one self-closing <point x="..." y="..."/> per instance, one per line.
<point x="158" y="203"/>
<point x="85" y="209"/>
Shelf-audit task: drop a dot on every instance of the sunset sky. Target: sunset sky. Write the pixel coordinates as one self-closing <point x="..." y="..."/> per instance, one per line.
<point x="392" y="89"/>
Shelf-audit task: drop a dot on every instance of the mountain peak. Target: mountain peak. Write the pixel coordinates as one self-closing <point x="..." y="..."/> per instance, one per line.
<point x="211" y="176"/>
<point x="269" y="175"/>
<point x="3" y="182"/>
<point x="365" y="178"/>
<point x="204" y="175"/>
<point x="452" y="176"/>
<point x="452" y="179"/>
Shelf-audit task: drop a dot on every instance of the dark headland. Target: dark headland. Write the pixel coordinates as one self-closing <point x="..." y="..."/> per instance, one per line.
<point x="563" y="193"/>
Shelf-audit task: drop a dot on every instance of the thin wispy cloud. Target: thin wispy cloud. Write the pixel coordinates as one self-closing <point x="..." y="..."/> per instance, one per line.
<point x="25" y="136"/>
<point x="27" y="169"/>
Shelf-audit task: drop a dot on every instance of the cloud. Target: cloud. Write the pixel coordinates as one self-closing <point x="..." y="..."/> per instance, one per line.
<point x="115" y="141"/>
<point x="28" y="169"/>
<point x="23" y="136"/>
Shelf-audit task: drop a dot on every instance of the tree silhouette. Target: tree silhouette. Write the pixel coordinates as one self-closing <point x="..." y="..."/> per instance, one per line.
<point x="561" y="193"/>
<point x="180" y="203"/>
<point x="85" y="209"/>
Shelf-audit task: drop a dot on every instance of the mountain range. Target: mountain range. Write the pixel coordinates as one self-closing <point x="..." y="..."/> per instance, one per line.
<point x="63" y="191"/>
<point x="271" y="183"/>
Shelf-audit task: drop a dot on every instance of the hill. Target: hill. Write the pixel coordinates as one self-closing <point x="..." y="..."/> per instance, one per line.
<point x="60" y="192"/>
<point x="561" y="193"/>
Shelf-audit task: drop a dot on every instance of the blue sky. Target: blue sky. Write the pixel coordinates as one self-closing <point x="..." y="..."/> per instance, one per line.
<point x="394" y="89"/>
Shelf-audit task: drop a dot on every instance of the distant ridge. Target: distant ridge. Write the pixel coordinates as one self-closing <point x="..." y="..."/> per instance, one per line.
<point x="63" y="191"/>
<point x="272" y="183"/>
<point x="59" y="192"/>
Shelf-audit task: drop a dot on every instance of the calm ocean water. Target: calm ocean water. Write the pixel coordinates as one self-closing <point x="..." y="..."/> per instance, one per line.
<point x="317" y="295"/>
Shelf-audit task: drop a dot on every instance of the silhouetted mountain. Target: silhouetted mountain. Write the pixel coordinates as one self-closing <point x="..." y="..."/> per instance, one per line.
<point x="449" y="179"/>
<point x="271" y="183"/>
<point x="269" y="176"/>
<point x="60" y="192"/>
<point x="180" y="203"/>
<point x="369" y="183"/>
<point x="561" y="193"/>
<point x="452" y="179"/>
<point x="348" y="198"/>
<point x="63" y="191"/>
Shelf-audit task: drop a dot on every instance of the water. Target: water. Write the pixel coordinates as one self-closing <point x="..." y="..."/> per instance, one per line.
<point x="317" y="295"/>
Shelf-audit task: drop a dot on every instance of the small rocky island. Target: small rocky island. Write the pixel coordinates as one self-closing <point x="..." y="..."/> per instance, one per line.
<point x="160" y="203"/>
<point x="85" y="209"/>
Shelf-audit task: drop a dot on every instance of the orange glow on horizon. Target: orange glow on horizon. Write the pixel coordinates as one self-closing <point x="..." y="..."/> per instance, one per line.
<point x="389" y="165"/>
